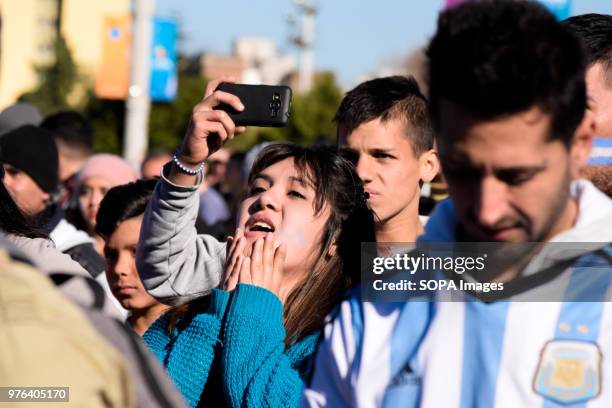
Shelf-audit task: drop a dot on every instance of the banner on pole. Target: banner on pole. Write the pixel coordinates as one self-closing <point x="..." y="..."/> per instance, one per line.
<point x="113" y="77"/>
<point x="163" y="61"/>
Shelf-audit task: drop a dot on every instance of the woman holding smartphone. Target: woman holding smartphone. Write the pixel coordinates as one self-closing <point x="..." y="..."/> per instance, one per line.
<point x="251" y="341"/>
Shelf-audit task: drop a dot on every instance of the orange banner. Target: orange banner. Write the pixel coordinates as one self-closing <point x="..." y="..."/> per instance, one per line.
<point x="113" y="77"/>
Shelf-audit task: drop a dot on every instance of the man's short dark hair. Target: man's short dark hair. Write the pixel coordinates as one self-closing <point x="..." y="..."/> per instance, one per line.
<point x="494" y="58"/>
<point x="595" y="31"/>
<point x="122" y="203"/>
<point x="71" y="129"/>
<point x="388" y="98"/>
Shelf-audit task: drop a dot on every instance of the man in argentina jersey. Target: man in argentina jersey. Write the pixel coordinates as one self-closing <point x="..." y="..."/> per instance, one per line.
<point x="508" y="101"/>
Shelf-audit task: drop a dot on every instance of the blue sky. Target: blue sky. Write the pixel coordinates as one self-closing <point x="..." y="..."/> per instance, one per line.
<point x="352" y="37"/>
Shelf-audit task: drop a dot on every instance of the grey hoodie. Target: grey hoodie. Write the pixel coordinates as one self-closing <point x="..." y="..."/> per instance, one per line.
<point x="152" y="387"/>
<point x="175" y="263"/>
<point x="74" y="281"/>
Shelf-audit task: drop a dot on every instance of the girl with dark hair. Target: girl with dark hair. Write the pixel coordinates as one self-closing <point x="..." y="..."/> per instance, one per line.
<point x="251" y="342"/>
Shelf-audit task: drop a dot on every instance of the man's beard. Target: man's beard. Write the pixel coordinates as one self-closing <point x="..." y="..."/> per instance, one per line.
<point x="559" y="204"/>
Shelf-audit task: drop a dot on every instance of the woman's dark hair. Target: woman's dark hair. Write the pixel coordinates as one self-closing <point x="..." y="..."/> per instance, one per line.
<point x="350" y="223"/>
<point x="121" y="203"/>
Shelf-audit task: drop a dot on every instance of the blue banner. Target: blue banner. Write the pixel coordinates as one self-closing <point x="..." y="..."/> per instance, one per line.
<point x="163" y="61"/>
<point x="562" y="9"/>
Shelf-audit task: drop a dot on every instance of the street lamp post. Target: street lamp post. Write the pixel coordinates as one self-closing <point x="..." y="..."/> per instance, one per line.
<point x="304" y="41"/>
<point x="138" y="103"/>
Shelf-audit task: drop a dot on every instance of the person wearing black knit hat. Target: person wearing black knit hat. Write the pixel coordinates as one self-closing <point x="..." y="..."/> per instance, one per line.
<point x="30" y="165"/>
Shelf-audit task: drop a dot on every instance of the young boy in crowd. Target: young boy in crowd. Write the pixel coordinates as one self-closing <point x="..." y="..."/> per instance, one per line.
<point x="384" y="127"/>
<point x="118" y="222"/>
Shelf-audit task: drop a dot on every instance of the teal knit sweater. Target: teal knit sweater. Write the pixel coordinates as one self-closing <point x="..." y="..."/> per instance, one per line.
<point x="234" y="353"/>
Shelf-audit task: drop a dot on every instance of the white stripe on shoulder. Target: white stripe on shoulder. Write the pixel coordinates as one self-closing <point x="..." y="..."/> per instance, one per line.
<point x="442" y="354"/>
<point x="330" y="384"/>
<point x="373" y="374"/>
<point x="342" y="339"/>
<point x="529" y="326"/>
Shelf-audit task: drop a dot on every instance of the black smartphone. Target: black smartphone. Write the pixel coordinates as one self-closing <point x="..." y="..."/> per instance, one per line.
<point x="264" y="105"/>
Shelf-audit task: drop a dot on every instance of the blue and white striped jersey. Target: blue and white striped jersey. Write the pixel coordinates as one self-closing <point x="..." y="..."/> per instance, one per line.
<point x="476" y="354"/>
<point x="601" y="153"/>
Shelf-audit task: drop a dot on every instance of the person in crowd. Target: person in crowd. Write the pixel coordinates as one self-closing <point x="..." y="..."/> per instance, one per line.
<point x="46" y="339"/>
<point x="234" y="188"/>
<point x="34" y="243"/>
<point x="26" y="242"/>
<point x="235" y="184"/>
<point x="13" y="221"/>
<point x="31" y="177"/>
<point x="214" y="212"/>
<point x="508" y="102"/>
<point x="17" y="115"/>
<point x="118" y="223"/>
<point x="74" y="138"/>
<point x="100" y="173"/>
<point x="153" y="163"/>
<point x="26" y="170"/>
<point x="58" y="340"/>
<point x="217" y="168"/>
<point x="288" y="264"/>
<point x="595" y="30"/>
<point x="384" y="125"/>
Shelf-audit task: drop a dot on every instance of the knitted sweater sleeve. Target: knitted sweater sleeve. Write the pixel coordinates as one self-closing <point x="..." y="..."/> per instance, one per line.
<point x="257" y="370"/>
<point x="157" y="339"/>
<point x="189" y="353"/>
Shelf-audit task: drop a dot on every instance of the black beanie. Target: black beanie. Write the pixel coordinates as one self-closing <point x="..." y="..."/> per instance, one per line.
<point x="32" y="150"/>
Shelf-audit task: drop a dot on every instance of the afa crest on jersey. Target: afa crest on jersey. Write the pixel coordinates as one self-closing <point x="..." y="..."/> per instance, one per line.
<point x="569" y="371"/>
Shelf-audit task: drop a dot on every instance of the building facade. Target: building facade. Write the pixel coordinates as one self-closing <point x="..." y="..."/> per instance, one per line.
<point x="28" y="30"/>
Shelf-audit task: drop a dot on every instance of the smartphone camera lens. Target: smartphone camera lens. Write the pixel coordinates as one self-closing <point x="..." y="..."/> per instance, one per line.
<point x="275" y="105"/>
